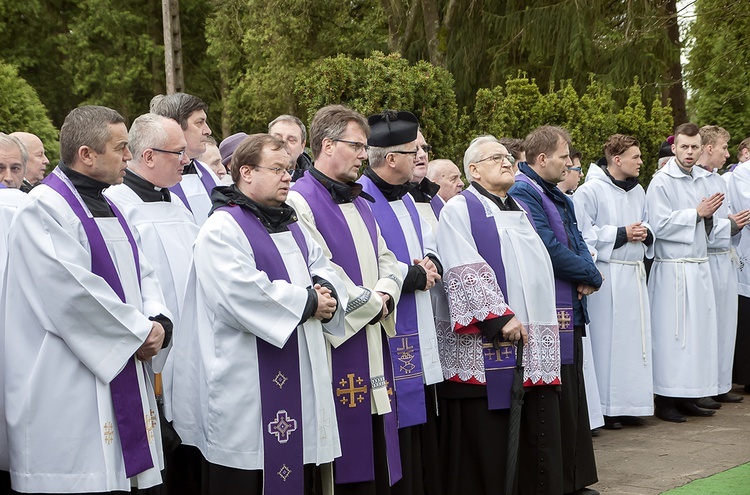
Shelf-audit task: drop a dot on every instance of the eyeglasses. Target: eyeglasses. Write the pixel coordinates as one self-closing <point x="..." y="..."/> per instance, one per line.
<point x="575" y="169"/>
<point x="358" y="147"/>
<point x="276" y="170"/>
<point x="405" y="152"/>
<point x="181" y="154"/>
<point x="498" y="158"/>
<point x="426" y="148"/>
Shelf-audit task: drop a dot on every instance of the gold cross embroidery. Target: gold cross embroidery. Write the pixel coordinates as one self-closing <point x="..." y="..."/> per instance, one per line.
<point x="353" y="394"/>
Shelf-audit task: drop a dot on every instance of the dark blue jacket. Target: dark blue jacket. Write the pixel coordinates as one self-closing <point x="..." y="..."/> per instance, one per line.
<point x="573" y="262"/>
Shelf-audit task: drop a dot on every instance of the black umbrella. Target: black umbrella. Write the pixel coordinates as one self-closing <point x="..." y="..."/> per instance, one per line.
<point x="514" y="421"/>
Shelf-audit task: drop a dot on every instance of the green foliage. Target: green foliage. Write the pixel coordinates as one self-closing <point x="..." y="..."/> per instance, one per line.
<point x="519" y="107"/>
<point x="719" y="68"/>
<point x="21" y="110"/>
<point x="381" y="81"/>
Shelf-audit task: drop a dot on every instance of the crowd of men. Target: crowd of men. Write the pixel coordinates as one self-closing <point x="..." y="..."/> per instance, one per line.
<point x="184" y="317"/>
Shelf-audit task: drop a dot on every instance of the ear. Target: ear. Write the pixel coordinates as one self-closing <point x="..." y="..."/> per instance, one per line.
<point x="541" y="159"/>
<point x="327" y="146"/>
<point x="474" y="172"/>
<point x="86" y="155"/>
<point x="709" y="148"/>
<point x="390" y="160"/>
<point x="148" y="158"/>
<point x="245" y="174"/>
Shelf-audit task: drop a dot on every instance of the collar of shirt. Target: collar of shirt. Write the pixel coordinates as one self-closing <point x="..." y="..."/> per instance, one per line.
<point x="423" y="191"/>
<point x="145" y="190"/>
<point x="507" y="205"/>
<point x="90" y="191"/>
<point x="551" y="189"/>
<point x="274" y="218"/>
<point x="625" y="185"/>
<point x="340" y="192"/>
<point x="392" y="192"/>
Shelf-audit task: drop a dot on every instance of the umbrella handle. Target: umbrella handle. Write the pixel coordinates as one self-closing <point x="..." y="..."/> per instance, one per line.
<point x="519" y="355"/>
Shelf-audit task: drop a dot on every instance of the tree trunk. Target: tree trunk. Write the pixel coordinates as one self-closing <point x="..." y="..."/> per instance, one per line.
<point x="676" y="90"/>
<point x="431" y="29"/>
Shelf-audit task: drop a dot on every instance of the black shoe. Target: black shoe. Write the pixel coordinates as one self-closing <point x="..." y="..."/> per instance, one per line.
<point x="729" y="397"/>
<point x="595" y="432"/>
<point x="585" y="491"/>
<point x="747" y="389"/>
<point x="631" y="420"/>
<point x="612" y="423"/>
<point x="707" y="403"/>
<point x="688" y="407"/>
<point x="669" y="413"/>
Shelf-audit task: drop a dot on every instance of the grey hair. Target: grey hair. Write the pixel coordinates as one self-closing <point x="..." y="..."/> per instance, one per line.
<point x="474" y="152"/>
<point x="86" y="126"/>
<point x="376" y="155"/>
<point x="293" y="120"/>
<point x="7" y="141"/>
<point x="147" y="131"/>
<point x="331" y="122"/>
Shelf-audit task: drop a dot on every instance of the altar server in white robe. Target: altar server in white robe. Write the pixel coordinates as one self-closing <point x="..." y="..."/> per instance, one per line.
<point x="610" y="210"/>
<point x="13" y="158"/>
<point x="252" y="387"/>
<point x="680" y="209"/>
<point x="198" y="179"/>
<point x="87" y="312"/>
<point x="727" y="226"/>
<point x="338" y="216"/>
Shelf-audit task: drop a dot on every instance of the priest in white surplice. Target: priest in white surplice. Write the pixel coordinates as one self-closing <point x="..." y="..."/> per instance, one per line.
<point x="610" y="209"/>
<point x="165" y="231"/>
<point x="500" y="286"/>
<point x="13" y="159"/>
<point x="87" y="311"/>
<point x="252" y="387"/>
<point x="393" y="154"/>
<point x="199" y="180"/>
<point x="728" y="223"/>
<point x="338" y="215"/>
<point x="680" y="209"/>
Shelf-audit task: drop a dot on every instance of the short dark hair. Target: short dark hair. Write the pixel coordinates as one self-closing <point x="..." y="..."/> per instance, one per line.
<point x="574" y="153"/>
<point x="330" y="122"/>
<point x="686" y="129"/>
<point x="177" y="106"/>
<point x="86" y="126"/>
<point x="617" y="144"/>
<point x="250" y="152"/>
<point x="543" y="139"/>
<point x="513" y="145"/>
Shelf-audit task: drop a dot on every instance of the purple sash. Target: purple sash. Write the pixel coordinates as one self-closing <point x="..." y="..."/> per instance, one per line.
<point x="126" y="396"/>
<point x="350" y="361"/>
<point x="437" y="205"/>
<point x="206" y="180"/>
<point x="280" y="389"/>
<point x="405" y="350"/>
<point x="563" y="289"/>
<point x="3" y="186"/>
<point x="499" y="364"/>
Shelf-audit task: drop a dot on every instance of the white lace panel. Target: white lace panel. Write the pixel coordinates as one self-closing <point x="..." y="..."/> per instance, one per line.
<point x="541" y="356"/>
<point x="460" y="354"/>
<point x="473" y="293"/>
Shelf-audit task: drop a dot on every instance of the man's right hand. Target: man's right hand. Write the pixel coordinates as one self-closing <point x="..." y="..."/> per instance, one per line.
<point x="513" y="331"/>
<point x="153" y="342"/>
<point x="636" y="232"/>
<point x="326" y="303"/>
<point x="709" y="205"/>
<point x="385" y="297"/>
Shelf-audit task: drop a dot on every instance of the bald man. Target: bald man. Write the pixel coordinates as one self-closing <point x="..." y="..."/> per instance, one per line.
<point x="37" y="163"/>
<point x="446" y="174"/>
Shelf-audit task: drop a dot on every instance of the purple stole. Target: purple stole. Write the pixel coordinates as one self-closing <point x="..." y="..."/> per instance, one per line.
<point x="3" y="186"/>
<point x="404" y="346"/>
<point x="126" y="395"/>
<point x="206" y="180"/>
<point x="499" y="364"/>
<point x="437" y="204"/>
<point x="350" y="361"/>
<point x="280" y="389"/>
<point x="563" y="289"/>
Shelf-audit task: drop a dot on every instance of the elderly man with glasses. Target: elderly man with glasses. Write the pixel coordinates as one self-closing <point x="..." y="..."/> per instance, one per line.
<point x="500" y="286"/>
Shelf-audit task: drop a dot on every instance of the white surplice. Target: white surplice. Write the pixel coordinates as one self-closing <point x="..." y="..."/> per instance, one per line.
<point x="473" y="291"/>
<point x="620" y="326"/>
<point x="67" y="337"/>
<point x="683" y="318"/>
<point x="380" y="273"/>
<point x="165" y="232"/>
<point x="428" y="345"/>
<point x="724" y="278"/>
<point x="198" y="198"/>
<point x="739" y="198"/>
<point x="216" y="394"/>
<point x="9" y="201"/>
